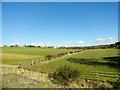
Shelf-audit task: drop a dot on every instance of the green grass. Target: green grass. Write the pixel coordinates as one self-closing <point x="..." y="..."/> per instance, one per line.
<point x="33" y="51"/>
<point x="88" y="61"/>
<point x="17" y="55"/>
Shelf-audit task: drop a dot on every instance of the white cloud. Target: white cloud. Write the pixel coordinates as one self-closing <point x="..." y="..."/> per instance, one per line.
<point x="41" y="44"/>
<point x="111" y="38"/>
<point x="15" y="44"/>
<point x="81" y="42"/>
<point x="106" y="40"/>
<point x="66" y="44"/>
<point x="1" y="45"/>
<point x="37" y="44"/>
<point x="73" y="43"/>
<point x="77" y="42"/>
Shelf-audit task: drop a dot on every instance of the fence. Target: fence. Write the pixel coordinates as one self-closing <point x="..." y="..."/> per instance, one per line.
<point x="103" y="76"/>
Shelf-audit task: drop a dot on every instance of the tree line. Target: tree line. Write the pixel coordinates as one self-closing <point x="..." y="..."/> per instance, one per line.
<point x="115" y="45"/>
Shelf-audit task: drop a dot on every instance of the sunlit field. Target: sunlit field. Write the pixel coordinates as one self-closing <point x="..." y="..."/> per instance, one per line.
<point x="17" y="55"/>
<point x="90" y="61"/>
<point x="97" y="64"/>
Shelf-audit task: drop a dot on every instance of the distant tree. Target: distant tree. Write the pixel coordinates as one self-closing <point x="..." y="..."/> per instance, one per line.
<point x="117" y="44"/>
<point x="16" y="45"/>
<point x="4" y="45"/>
<point x="25" y="45"/>
<point x="39" y="46"/>
<point x="50" y="47"/>
<point x="30" y="46"/>
<point x="71" y="52"/>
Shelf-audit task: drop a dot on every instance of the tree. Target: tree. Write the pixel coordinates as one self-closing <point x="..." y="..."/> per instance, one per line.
<point x="118" y="44"/>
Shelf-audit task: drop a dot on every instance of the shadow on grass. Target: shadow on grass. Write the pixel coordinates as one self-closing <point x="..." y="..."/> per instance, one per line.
<point x="113" y="62"/>
<point x="115" y="59"/>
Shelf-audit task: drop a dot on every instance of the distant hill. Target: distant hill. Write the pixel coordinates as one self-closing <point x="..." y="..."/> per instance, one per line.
<point x="115" y="45"/>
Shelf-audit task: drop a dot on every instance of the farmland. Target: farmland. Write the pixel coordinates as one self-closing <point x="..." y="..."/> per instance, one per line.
<point x="19" y="55"/>
<point x="86" y="62"/>
<point x="97" y="65"/>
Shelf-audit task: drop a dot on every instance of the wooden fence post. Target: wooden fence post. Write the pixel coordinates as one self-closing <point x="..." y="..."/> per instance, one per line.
<point x="117" y="75"/>
<point x="32" y="62"/>
<point x="97" y="75"/>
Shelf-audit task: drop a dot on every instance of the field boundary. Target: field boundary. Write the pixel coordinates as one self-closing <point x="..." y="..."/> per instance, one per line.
<point x="33" y="62"/>
<point x="26" y="73"/>
<point x="104" y="76"/>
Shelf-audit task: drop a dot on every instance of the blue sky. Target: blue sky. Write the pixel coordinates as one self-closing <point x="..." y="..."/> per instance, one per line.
<point x="69" y="24"/>
<point x="0" y="23"/>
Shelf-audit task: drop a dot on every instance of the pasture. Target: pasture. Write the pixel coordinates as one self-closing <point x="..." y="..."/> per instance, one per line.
<point x="98" y="64"/>
<point x="23" y="55"/>
<point x="87" y="62"/>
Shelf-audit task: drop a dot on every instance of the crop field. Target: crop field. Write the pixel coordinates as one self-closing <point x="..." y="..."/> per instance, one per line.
<point x="97" y="64"/>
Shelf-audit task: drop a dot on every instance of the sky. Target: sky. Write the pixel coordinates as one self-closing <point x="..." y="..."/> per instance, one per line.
<point x="60" y="0"/>
<point x="59" y="23"/>
<point x="0" y="23"/>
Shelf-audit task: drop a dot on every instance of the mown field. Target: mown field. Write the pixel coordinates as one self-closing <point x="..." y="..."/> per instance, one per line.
<point x="97" y="64"/>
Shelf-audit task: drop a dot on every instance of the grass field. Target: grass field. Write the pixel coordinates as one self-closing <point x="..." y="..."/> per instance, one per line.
<point x="103" y="62"/>
<point x="19" y="55"/>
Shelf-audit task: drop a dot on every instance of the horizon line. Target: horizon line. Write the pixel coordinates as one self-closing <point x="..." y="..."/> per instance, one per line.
<point x="55" y="45"/>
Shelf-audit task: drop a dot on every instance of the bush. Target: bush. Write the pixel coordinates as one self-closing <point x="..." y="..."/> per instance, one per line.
<point x="64" y="75"/>
<point x="49" y="57"/>
<point x="71" y="52"/>
<point x="61" y="54"/>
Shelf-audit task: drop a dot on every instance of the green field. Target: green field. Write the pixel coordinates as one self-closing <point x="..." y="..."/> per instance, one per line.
<point x="86" y="61"/>
<point x="17" y="55"/>
<point x="103" y="62"/>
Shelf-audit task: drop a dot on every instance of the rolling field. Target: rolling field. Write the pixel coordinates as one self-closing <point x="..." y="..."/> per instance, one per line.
<point x="22" y="55"/>
<point x="97" y="64"/>
<point x="90" y="61"/>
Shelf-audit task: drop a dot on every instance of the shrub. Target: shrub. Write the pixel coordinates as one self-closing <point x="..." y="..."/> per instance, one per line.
<point x="61" y="54"/>
<point x="49" y="57"/>
<point x="64" y="75"/>
<point x="71" y="52"/>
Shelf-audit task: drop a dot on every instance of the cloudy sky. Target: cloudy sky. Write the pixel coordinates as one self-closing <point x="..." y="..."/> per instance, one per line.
<point x="65" y="23"/>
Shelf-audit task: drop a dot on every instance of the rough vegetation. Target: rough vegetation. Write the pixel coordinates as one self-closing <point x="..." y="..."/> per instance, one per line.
<point x="64" y="75"/>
